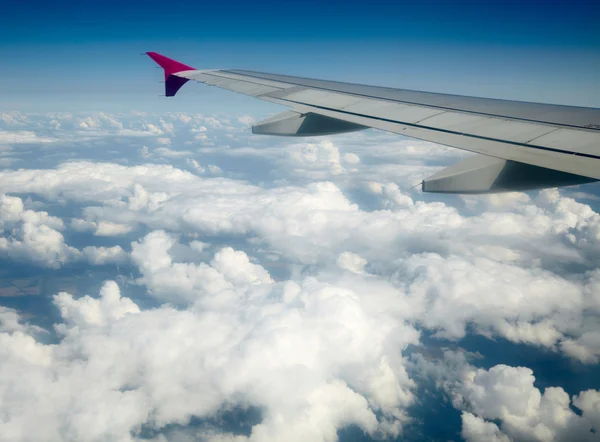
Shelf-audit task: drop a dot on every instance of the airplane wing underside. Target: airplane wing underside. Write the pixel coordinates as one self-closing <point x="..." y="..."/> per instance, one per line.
<point x="521" y="145"/>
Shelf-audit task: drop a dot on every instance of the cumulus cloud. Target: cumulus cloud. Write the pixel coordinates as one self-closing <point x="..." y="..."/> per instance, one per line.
<point x="32" y="236"/>
<point x="91" y="312"/>
<point x="585" y="347"/>
<point x="320" y="159"/>
<point x="104" y="255"/>
<point x="495" y="297"/>
<point x="351" y="158"/>
<point x="11" y="322"/>
<point x="107" y="228"/>
<point x="176" y="282"/>
<point x="307" y="353"/>
<point x="507" y="395"/>
<point x="237" y="268"/>
<point x="351" y="262"/>
<point x="35" y="237"/>
<point x="475" y="429"/>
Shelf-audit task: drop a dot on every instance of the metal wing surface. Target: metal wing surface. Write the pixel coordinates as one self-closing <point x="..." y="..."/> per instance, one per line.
<point x="521" y="145"/>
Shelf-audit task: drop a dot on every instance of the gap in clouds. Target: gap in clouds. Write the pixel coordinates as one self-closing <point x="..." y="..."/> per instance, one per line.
<point x="234" y="420"/>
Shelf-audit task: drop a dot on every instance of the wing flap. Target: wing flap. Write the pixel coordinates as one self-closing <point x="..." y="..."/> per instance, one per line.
<point x="203" y="75"/>
<point x="575" y="141"/>
<point x="508" y="130"/>
<point x="321" y="98"/>
<point x="392" y="111"/>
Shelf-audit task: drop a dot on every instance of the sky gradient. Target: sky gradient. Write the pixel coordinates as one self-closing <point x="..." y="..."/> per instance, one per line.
<point x="85" y="55"/>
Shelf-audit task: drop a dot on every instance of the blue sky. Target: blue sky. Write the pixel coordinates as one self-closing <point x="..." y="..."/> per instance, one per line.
<point x="85" y="55"/>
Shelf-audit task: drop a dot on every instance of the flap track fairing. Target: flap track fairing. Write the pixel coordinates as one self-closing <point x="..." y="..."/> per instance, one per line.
<point x="484" y="174"/>
<point x="294" y="124"/>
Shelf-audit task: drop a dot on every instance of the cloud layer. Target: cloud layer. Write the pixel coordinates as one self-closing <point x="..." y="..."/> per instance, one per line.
<point x="300" y="280"/>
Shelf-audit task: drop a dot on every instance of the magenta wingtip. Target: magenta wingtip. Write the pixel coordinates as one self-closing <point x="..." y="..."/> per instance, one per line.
<point x="170" y="66"/>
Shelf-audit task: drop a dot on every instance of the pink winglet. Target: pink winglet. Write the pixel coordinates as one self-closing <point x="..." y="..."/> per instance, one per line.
<point x="170" y="66"/>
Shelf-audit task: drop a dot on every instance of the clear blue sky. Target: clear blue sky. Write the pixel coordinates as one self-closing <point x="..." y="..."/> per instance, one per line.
<point x="84" y="55"/>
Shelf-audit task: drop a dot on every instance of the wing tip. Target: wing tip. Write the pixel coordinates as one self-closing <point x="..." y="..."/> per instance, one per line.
<point x="170" y="67"/>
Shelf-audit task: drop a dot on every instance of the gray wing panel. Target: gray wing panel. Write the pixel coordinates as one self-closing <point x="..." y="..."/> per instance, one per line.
<point x="563" y="138"/>
<point x="235" y="82"/>
<point x="565" y="159"/>
<point x="581" y="117"/>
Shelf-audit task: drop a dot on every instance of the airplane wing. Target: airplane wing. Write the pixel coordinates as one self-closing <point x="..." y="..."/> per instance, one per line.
<point x="521" y="145"/>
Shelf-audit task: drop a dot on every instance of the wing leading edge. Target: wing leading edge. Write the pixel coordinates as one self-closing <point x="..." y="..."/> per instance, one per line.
<point x="521" y="145"/>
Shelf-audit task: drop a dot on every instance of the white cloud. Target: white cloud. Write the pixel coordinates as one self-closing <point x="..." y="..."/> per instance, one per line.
<point x="247" y="120"/>
<point x="214" y="169"/>
<point x="21" y="137"/>
<point x="13" y="210"/>
<point x="507" y="394"/>
<point x="352" y="262"/>
<point x="195" y="165"/>
<point x="11" y="322"/>
<point x="475" y="429"/>
<point x="104" y="255"/>
<point x="35" y="237"/>
<point x="213" y="122"/>
<point x="199" y="246"/>
<point x="153" y="129"/>
<point x="13" y="118"/>
<point x="32" y="236"/>
<point x="351" y="158"/>
<point x="171" y="153"/>
<point x="589" y="403"/>
<point x="81" y="225"/>
<point x="188" y="282"/>
<point x="175" y="282"/>
<point x="318" y="159"/>
<point x="307" y="354"/>
<point x="107" y="228"/>
<point x="585" y="348"/>
<point x="522" y="305"/>
<point x="90" y="312"/>
<point x="236" y="267"/>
